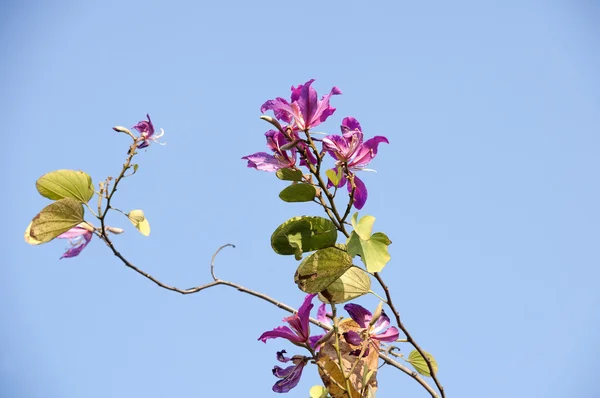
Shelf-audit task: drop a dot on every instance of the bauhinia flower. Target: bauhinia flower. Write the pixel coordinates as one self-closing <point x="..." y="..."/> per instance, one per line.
<point x="146" y="130"/>
<point x="352" y="154"/>
<point x="380" y="330"/>
<point x="289" y="376"/>
<point x="299" y="333"/>
<point x="280" y="159"/>
<point x="305" y="110"/>
<point x="79" y="238"/>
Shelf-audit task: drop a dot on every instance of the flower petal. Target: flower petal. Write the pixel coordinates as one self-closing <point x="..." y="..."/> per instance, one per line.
<point x="283" y="332"/>
<point x="349" y="123"/>
<point x="312" y="340"/>
<point x="281" y="357"/>
<point x="367" y="152"/>
<point x="280" y="107"/>
<point x="352" y="337"/>
<point x="146" y="128"/>
<point x="381" y="324"/>
<point x="78" y="243"/>
<point x="389" y="335"/>
<point x="359" y="314"/>
<point x="322" y="314"/>
<point x="265" y="162"/>
<point x="290" y="377"/>
<point x="360" y="193"/>
<point x="73" y="233"/>
<point x="300" y="321"/>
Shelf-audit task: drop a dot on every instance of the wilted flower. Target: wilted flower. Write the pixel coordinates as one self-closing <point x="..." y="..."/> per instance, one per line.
<point x="289" y="376"/>
<point x="380" y="330"/>
<point x="146" y="130"/>
<point x="305" y="110"/>
<point x="78" y="239"/>
<point x="353" y="155"/>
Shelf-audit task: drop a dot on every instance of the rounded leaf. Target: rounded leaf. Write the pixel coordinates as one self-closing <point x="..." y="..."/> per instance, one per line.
<point x="55" y="219"/>
<point x="138" y="219"/>
<point x="303" y="234"/>
<point x="418" y="362"/>
<point x="298" y="193"/>
<point x="354" y="283"/>
<point x="61" y="184"/>
<point x="373" y="252"/>
<point x="289" y="174"/>
<point x="321" y="269"/>
<point x="318" y="392"/>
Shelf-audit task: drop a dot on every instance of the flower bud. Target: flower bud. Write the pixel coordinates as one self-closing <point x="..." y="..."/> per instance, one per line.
<point x="291" y="145"/>
<point x="122" y="129"/>
<point x="115" y="230"/>
<point x="273" y="121"/>
<point x="376" y="314"/>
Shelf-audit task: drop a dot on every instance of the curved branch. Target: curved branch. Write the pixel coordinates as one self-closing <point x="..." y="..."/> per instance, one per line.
<point x="216" y="281"/>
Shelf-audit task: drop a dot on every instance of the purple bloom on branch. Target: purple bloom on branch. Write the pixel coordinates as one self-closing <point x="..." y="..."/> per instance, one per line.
<point x="146" y="130"/>
<point x="281" y="159"/>
<point x="381" y="330"/>
<point x="305" y="109"/>
<point x="289" y="376"/>
<point x="78" y="239"/>
<point x="353" y="154"/>
<point x="299" y="333"/>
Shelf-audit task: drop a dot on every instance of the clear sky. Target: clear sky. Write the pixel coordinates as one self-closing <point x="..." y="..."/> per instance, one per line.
<point x="489" y="188"/>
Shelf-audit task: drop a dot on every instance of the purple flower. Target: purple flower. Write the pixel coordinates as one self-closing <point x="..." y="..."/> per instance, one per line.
<point x="353" y="155"/>
<point x="380" y="331"/>
<point x="305" y="110"/>
<point x="78" y="239"/>
<point x="289" y="376"/>
<point x="146" y="130"/>
<point x="299" y="333"/>
<point x="281" y="159"/>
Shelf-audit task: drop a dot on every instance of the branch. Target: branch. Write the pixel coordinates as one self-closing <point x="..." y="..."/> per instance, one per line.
<point x="216" y="281"/>
<point x="408" y="336"/>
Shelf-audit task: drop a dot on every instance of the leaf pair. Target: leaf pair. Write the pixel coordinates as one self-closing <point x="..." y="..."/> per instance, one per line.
<point x="69" y="188"/>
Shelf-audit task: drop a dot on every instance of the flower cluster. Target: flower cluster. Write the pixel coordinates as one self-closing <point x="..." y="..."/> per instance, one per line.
<point x="298" y="333"/>
<point x="349" y="150"/>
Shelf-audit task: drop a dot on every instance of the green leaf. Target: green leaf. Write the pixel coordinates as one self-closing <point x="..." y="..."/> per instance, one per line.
<point x="335" y="176"/>
<point x="364" y="227"/>
<point x="298" y="193"/>
<point x="55" y="219"/>
<point x="373" y="252"/>
<point x="289" y="175"/>
<point x="322" y="268"/>
<point x="66" y="184"/>
<point x="135" y="168"/>
<point x="303" y="234"/>
<point x="318" y="392"/>
<point x="416" y="360"/>
<point x="352" y="284"/>
<point x="138" y="219"/>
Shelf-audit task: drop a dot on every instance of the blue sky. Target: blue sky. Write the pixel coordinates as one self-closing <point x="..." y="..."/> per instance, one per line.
<point x="488" y="189"/>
